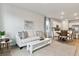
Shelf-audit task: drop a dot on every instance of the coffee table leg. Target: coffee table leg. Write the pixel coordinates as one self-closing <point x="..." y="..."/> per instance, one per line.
<point x="27" y="47"/>
<point x="30" y="49"/>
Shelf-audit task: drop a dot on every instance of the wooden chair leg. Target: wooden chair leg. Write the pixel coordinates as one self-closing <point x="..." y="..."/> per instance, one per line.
<point x="0" y="46"/>
<point x="8" y="46"/>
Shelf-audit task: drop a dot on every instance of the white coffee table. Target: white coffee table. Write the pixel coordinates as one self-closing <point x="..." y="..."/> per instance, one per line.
<point x="31" y="46"/>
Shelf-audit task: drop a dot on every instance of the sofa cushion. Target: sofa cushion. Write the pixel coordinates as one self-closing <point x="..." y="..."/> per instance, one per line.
<point x="40" y="34"/>
<point x="31" y="34"/>
<point x="25" y="34"/>
<point x="20" y="35"/>
<point x="29" y="39"/>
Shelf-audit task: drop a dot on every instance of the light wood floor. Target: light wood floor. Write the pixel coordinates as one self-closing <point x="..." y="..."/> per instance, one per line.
<point x="69" y="48"/>
<point x="74" y="42"/>
<point x="54" y="49"/>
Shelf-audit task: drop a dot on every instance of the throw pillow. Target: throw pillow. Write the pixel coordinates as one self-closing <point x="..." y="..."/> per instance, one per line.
<point x="20" y="35"/>
<point x="30" y="34"/>
<point x="25" y="34"/>
<point x="40" y="34"/>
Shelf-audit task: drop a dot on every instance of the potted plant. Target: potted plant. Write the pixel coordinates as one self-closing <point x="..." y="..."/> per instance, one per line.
<point x="2" y="33"/>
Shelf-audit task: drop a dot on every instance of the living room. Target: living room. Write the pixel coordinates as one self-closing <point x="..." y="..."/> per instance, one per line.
<point x="17" y="18"/>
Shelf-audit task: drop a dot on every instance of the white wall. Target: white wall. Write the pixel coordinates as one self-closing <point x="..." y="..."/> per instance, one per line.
<point x="73" y="23"/>
<point x="1" y="25"/>
<point x="0" y="16"/>
<point x="13" y="18"/>
<point x="55" y="22"/>
<point x="65" y="24"/>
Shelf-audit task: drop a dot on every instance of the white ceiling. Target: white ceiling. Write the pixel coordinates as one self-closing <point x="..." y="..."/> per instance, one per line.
<point x="52" y="9"/>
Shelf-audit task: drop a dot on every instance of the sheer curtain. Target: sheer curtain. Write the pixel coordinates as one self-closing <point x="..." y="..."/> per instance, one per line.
<point x="47" y="27"/>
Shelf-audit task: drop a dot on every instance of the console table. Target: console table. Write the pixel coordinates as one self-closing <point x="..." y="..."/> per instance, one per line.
<point x="4" y="43"/>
